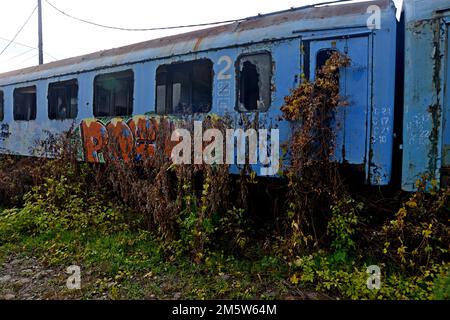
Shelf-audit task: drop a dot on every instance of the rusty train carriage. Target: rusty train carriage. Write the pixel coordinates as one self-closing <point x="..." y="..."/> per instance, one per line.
<point x="215" y="71"/>
<point x="426" y="116"/>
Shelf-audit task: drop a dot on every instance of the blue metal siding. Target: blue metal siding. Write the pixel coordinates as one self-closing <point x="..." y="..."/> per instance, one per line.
<point x="446" y="131"/>
<point x="425" y="47"/>
<point x="367" y="133"/>
<point x="447" y="104"/>
<point x="383" y="100"/>
<point x="351" y="119"/>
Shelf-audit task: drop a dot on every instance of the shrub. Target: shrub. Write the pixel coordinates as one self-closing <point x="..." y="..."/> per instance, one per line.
<point x="341" y="227"/>
<point x="60" y="205"/>
<point x="441" y="289"/>
<point x="319" y="272"/>
<point x="313" y="177"/>
<point x="16" y="178"/>
<point x="419" y="234"/>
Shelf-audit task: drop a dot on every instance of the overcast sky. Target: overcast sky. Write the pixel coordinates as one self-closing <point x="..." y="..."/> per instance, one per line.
<point x="64" y="37"/>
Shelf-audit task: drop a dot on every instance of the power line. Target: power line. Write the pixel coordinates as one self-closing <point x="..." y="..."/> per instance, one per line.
<point x="18" y="43"/>
<point x="27" y="46"/>
<point x="181" y="26"/>
<point x="20" y="30"/>
<point x="20" y="54"/>
<point x="129" y="29"/>
<point x="141" y="29"/>
<point x="29" y="58"/>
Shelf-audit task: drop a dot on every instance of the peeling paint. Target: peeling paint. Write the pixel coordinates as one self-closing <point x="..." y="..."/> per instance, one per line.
<point x="366" y="137"/>
<point x="425" y="81"/>
<point x="436" y="109"/>
<point x="4" y="131"/>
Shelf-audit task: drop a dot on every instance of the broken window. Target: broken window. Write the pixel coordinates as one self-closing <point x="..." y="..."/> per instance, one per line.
<point x="63" y="100"/>
<point x="254" y="82"/>
<point x="322" y="57"/>
<point x="2" y="112"/>
<point x="25" y="104"/>
<point x="113" y="94"/>
<point x="184" y="88"/>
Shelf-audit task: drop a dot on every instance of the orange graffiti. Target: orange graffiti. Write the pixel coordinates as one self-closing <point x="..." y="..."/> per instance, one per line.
<point x="144" y="131"/>
<point x="95" y="138"/>
<point x="120" y="144"/>
<point x="120" y="139"/>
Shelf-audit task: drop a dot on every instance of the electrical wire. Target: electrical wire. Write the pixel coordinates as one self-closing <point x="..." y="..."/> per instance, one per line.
<point x="18" y="32"/>
<point x="126" y="29"/>
<point x="29" y="58"/>
<point x="18" y="43"/>
<point x="20" y="54"/>
<point x="181" y="26"/>
<point x="27" y="46"/>
<point x="141" y="29"/>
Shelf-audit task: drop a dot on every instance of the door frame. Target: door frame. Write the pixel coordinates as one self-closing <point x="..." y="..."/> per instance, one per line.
<point x="345" y="34"/>
<point x="445" y="90"/>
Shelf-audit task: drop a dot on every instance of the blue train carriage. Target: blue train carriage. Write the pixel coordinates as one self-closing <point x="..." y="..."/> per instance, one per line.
<point x="426" y="145"/>
<point x="238" y="69"/>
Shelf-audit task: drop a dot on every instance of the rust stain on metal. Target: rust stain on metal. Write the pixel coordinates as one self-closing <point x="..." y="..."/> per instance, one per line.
<point x="197" y="43"/>
<point x="263" y="21"/>
<point x="435" y="110"/>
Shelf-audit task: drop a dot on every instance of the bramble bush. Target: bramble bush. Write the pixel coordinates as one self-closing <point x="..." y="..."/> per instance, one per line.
<point x="414" y="242"/>
<point x="62" y="205"/>
<point x="419" y="234"/>
<point x="16" y="179"/>
<point x="406" y="273"/>
<point x="341" y="228"/>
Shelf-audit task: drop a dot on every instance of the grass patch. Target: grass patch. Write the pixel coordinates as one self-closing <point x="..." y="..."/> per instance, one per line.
<point x="129" y="265"/>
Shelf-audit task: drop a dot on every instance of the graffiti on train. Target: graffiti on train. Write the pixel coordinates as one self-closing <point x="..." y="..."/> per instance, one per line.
<point x="137" y="138"/>
<point x="122" y="138"/>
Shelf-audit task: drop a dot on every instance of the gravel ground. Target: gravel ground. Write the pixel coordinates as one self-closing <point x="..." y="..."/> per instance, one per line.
<point x="25" y="278"/>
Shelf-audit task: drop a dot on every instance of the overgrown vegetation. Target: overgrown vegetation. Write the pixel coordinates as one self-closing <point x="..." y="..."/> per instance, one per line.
<point x="313" y="177"/>
<point x="150" y="229"/>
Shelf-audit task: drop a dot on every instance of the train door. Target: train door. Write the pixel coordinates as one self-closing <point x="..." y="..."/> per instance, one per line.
<point x="351" y="120"/>
<point x="446" y="127"/>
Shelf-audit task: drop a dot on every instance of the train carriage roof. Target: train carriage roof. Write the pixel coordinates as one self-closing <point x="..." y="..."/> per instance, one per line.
<point x="253" y="29"/>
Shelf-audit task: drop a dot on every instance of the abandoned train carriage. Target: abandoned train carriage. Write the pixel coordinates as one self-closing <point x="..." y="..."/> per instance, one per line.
<point x="426" y="114"/>
<point x="237" y="69"/>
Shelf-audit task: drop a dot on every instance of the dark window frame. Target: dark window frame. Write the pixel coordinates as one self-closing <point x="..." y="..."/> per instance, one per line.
<point x="329" y="52"/>
<point x="2" y="105"/>
<point x="123" y="75"/>
<point x="32" y="112"/>
<point x="238" y="71"/>
<point x="165" y="79"/>
<point x="70" y="113"/>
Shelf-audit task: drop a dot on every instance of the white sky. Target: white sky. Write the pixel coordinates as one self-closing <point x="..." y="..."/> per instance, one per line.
<point x="64" y="37"/>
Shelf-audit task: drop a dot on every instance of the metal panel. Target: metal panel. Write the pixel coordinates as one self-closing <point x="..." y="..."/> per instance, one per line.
<point x="264" y="28"/>
<point x="375" y="49"/>
<point x="446" y="131"/>
<point x="351" y="120"/>
<point x="425" y="74"/>
<point x="272" y="33"/>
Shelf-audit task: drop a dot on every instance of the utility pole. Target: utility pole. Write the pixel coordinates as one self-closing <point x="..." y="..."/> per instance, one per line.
<point x="40" y="45"/>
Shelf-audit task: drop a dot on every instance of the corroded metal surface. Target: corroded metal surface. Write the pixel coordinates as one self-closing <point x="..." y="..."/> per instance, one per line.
<point x="426" y="104"/>
<point x="215" y="37"/>
<point x="292" y="37"/>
